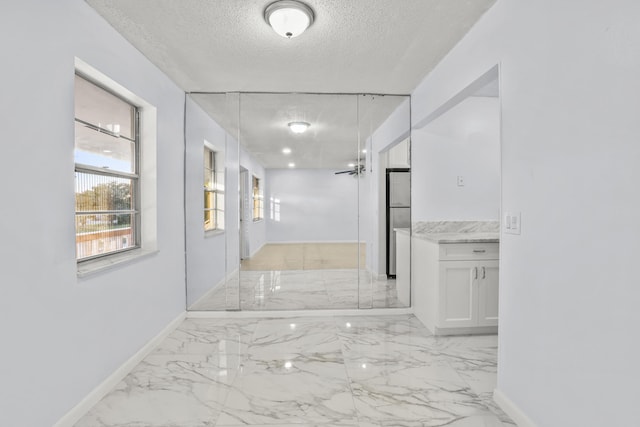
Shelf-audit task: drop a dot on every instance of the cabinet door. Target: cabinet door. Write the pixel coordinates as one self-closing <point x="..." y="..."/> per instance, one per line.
<point x="458" y="294"/>
<point x="488" y="294"/>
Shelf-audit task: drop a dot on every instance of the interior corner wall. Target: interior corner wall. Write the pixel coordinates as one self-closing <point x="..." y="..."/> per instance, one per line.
<point x="315" y="206"/>
<point x="62" y="335"/>
<point x="463" y="142"/>
<point x="257" y="230"/>
<point x="205" y="251"/>
<point x="570" y="102"/>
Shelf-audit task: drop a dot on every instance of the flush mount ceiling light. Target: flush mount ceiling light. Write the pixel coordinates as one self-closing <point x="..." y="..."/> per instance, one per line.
<point x="289" y="18"/>
<point x="298" y="127"/>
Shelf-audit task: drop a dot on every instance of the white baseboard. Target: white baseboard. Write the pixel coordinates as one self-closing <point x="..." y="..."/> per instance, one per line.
<point x="311" y="242"/>
<point x="296" y="313"/>
<point x="475" y="330"/>
<point x="81" y="409"/>
<point x="207" y="294"/>
<point x="511" y="409"/>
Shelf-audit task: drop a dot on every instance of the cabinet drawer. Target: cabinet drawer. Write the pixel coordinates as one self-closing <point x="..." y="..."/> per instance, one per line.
<point x="468" y="251"/>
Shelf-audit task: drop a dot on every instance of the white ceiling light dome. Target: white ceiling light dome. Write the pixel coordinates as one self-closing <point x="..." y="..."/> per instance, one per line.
<point x="289" y="18"/>
<point x="298" y="127"/>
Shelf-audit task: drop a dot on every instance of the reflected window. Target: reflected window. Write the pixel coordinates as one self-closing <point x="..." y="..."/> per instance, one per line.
<point x="258" y="199"/>
<point x="106" y="172"/>
<point x="274" y="209"/>
<point x="213" y="191"/>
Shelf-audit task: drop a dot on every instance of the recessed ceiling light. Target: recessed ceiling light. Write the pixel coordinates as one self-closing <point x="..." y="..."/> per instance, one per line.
<point x="351" y="165"/>
<point x="292" y="165"/>
<point x="364" y="151"/>
<point x="288" y="18"/>
<point x="286" y="150"/>
<point x="298" y="127"/>
<point x="106" y="151"/>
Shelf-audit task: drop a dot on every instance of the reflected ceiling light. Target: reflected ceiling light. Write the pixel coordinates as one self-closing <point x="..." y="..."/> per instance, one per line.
<point x="292" y="165"/>
<point x="288" y="18"/>
<point x="286" y="150"/>
<point x="298" y="127"/>
<point x="364" y="151"/>
<point x="351" y="165"/>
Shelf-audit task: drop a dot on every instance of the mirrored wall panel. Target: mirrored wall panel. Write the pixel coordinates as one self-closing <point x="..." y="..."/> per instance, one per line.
<point x="294" y="201"/>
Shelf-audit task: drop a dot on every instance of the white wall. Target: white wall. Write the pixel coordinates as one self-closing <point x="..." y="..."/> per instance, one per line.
<point x="205" y="251"/>
<point x="569" y="300"/>
<point x="61" y="336"/>
<point x="465" y="141"/>
<point x="315" y="206"/>
<point x="256" y="229"/>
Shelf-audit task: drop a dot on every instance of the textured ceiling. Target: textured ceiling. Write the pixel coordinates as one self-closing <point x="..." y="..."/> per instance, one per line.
<point x="331" y="142"/>
<point x="354" y="46"/>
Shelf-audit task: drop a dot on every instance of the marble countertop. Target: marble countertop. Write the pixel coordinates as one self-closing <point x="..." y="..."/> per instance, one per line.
<point x="457" y="231"/>
<point x="468" y="237"/>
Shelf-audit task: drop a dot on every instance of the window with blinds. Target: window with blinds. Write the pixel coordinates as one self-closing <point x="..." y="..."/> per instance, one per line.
<point x="106" y="172"/>
<point x="213" y="191"/>
<point x="258" y="200"/>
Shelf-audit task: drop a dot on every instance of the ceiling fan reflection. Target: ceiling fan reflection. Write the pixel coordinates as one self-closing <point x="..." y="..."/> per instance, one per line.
<point x="357" y="170"/>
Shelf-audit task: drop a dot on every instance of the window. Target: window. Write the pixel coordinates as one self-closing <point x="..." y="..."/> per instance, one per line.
<point x="258" y="202"/>
<point x="213" y="191"/>
<point x="106" y="172"/>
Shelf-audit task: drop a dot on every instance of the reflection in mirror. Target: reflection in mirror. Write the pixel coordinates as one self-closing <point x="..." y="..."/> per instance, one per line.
<point x="305" y="230"/>
<point x="211" y="200"/>
<point x="385" y="206"/>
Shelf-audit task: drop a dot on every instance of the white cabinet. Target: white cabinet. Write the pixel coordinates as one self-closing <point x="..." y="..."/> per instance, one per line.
<point x="456" y="286"/>
<point x="468" y="292"/>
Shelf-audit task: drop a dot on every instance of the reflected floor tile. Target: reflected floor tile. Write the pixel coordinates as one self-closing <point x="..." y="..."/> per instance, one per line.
<point x="302" y="289"/>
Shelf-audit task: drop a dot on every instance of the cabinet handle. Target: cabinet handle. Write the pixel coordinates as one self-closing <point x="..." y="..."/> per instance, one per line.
<point x="484" y="273"/>
<point x="479" y="251"/>
<point x="475" y="270"/>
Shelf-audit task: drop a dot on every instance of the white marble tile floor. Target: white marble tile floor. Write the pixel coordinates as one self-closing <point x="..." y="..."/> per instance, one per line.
<point x="302" y="290"/>
<point x="346" y="371"/>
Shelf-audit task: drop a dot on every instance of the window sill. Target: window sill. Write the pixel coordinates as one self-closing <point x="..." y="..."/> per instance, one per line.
<point x="213" y="233"/>
<point x="100" y="265"/>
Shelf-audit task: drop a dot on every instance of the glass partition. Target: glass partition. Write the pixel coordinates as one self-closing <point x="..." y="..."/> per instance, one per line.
<point x="305" y="222"/>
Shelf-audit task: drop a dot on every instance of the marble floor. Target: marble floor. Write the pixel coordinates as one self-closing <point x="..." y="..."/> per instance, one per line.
<point x="307" y="256"/>
<point x="302" y="290"/>
<point x="349" y="371"/>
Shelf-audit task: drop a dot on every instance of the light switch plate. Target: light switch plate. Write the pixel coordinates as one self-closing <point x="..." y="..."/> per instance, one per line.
<point x="460" y="181"/>
<point x="512" y="222"/>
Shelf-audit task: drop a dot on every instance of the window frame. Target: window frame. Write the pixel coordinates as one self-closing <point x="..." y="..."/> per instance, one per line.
<point x="258" y="199"/>
<point x="213" y="189"/>
<point x="135" y="178"/>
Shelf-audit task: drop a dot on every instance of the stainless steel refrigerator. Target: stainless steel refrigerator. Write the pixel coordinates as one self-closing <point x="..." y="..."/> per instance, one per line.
<point x="398" y="210"/>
